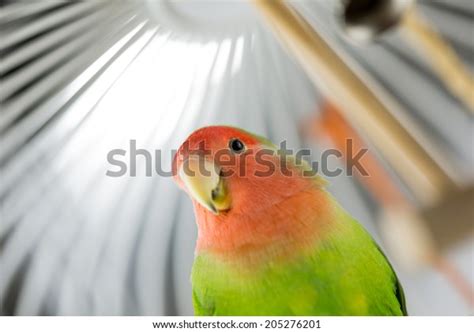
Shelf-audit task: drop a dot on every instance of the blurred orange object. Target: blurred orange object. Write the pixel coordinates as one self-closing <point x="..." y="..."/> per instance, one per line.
<point x="331" y="124"/>
<point x="378" y="182"/>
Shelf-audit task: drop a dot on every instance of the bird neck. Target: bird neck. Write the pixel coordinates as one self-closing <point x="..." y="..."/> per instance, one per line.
<point x="278" y="230"/>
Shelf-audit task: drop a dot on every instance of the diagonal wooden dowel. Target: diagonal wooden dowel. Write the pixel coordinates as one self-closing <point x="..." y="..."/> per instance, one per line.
<point x="364" y="20"/>
<point x="360" y="103"/>
<point x="442" y="58"/>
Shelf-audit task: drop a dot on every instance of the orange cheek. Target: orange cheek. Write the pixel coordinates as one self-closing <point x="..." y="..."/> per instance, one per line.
<point x="285" y="228"/>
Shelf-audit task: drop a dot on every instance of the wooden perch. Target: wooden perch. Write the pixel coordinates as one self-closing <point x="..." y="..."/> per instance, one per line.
<point x="444" y="61"/>
<point x="359" y="103"/>
<point x="364" y="20"/>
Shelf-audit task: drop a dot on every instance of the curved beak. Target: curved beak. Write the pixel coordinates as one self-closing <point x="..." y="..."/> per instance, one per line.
<point x="204" y="183"/>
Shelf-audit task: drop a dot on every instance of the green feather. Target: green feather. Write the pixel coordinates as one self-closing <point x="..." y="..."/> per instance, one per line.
<point x="344" y="274"/>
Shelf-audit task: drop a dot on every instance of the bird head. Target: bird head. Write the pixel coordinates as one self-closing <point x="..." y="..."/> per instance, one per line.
<point x="244" y="190"/>
<point x="224" y="168"/>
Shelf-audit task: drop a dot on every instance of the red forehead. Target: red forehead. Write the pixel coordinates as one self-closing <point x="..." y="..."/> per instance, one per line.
<point x="218" y="137"/>
<point x="213" y="138"/>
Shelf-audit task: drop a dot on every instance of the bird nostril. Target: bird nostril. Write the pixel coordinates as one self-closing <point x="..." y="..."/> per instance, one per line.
<point x="215" y="193"/>
<point x="217" y="190"/>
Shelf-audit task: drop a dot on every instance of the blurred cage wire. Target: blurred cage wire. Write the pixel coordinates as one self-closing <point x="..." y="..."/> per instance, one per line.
<point x="79" y="79"/>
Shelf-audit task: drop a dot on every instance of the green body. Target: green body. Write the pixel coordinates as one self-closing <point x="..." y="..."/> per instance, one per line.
<point x="344" y="274"/>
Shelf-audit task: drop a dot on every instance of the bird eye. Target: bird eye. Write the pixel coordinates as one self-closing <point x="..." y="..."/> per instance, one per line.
<point x="236" y="145"/>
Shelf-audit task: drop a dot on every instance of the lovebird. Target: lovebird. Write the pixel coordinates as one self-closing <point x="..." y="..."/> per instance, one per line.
<point x="271" y="239"/>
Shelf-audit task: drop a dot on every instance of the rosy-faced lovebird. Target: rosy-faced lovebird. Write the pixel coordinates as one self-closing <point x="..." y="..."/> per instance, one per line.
<point x="271" y="240"/>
